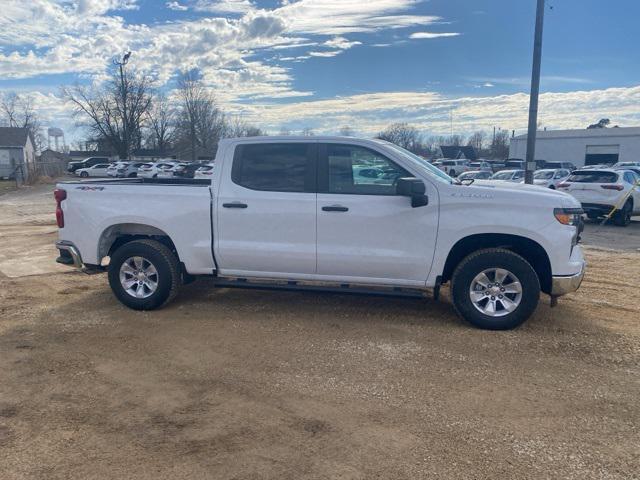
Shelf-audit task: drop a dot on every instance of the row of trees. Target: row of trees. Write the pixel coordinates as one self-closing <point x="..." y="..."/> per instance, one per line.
<point x="127" y="113"/>
<point x="18" y="111"/>
<point x="407" y="136"/>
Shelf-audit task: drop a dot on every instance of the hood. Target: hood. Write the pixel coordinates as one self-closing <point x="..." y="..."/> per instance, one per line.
<point x="519" y="194"/>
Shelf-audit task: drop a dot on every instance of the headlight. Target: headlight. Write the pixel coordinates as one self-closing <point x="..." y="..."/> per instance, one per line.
<point x="568" y="216"/>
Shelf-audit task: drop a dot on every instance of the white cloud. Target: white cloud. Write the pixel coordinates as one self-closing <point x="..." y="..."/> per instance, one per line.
<point x="428" y="35"/>
<point x="176" y="6"/>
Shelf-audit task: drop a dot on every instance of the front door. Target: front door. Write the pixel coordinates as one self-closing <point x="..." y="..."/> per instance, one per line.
<point x="366" y="232"/>
<point x="266" y="211"/>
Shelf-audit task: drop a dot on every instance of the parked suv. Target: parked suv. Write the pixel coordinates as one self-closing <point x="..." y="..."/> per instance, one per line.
<point x="86" y="163"/>
<point x="550" y="177"/>
<point x="454" y="168"/>
<point x="601" y="191"/>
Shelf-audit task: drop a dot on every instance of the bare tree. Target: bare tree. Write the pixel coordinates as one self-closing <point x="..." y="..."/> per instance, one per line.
<point x="161" y="121"/>
<point x="477" y="141"/>
<point x="455" y="140"/>
<point x="285" y="132"/>
<point x="403" y="135"/>
<point x="602" y="123"/>
<point x="201" y="123"/>
<point x="116" y="112"/>
<point x="239" y="128"/>
<point x="307" y="132"/>
<point x="500" y="145"/>
<point x="18" y="111"/>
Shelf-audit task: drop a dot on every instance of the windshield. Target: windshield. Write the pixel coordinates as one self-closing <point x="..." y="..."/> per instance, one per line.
<point x="421" y="162"/>
<point x="502" y="176"/>
<point x="586" y="176"/>
<point x="543" y="175"/>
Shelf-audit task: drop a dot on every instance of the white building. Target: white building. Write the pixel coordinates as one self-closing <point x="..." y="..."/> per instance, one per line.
<point x="582" y="147"/>
<point x="17" y="152"/>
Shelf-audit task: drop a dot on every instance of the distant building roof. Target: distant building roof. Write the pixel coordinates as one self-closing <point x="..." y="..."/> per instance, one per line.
<point x="586" y="132"/>
<point x="13" y="136"/>
<point x="458" y="151"/>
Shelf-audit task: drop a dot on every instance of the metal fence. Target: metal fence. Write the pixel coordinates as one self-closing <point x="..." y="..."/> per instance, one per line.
<point x="32" y="172"/>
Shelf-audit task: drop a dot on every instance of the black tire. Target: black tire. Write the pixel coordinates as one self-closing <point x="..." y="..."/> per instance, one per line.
<point x="552" y="187"/>
<point x="622" y="218"/>
<point x="166" y="264"/>
<point x="132" y="175"/>
<point x="84" y="174"/>
<point x="482" y="260"/>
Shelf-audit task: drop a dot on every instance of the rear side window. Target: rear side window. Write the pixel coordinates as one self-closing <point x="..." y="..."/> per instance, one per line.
<point x="587" y="176"/>
<point x="276" y="167"/>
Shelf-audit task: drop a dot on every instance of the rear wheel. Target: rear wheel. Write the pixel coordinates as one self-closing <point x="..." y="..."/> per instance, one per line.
<point x="495" y="289"/>
<point x="144" y="274"/>
<point x="622" y="217"/>
<point x="84" y="174"/>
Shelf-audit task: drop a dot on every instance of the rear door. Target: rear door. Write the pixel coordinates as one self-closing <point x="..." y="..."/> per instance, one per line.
<point x="366" y="232"/>
<point x="266" y="211"/>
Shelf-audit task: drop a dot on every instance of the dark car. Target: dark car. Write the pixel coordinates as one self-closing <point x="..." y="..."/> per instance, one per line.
<point x="187" y="170"/>
<point x="86" y="163"/>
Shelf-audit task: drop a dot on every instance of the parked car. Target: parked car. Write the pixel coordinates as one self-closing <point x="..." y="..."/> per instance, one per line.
<point x="112" y="171"/>
<point x="481" y="165"/>
<point x="454" y="168"/>
<point x="150" y="170"/>
<point x="129" y="169"/>
<point x="187" y="170"/>
<point x="475" y="175"/>
<point x="86" y="163"/>
<point x="280" y="217"/>
<point x="206" y="172"/>
<point x="626" y="164"/>
<point x="167" y="170"/>
<point x="514" y="176"/>
<point x="517" y="164"/>
<point x="496" y="165"/>
<point x="600" y="191"/>
<point x="550" y="177"/>
<point x="98" y="170"/>
<point x="556" y="165"/>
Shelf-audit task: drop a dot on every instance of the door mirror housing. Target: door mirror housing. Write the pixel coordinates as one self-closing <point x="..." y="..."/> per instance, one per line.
<point x="414" y="188"/>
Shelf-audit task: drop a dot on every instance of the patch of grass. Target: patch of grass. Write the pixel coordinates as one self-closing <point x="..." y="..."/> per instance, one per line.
<point x="7" y="186"/>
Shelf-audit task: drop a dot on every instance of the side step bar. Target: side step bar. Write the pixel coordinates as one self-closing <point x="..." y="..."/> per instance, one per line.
<point x="222" y="282"/>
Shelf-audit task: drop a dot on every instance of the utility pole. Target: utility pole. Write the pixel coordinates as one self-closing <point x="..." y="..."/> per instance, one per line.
<point x="535" y="91"/>
<point x="123" y="96"/>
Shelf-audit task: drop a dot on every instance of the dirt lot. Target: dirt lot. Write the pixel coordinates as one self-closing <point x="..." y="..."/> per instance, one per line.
<point x="244" y="385"/>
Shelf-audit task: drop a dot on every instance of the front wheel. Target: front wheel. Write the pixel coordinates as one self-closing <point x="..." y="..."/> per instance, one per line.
<point x="144" y="274"/>
<point x="84" y="174"/>
<point x="495" y="289"/>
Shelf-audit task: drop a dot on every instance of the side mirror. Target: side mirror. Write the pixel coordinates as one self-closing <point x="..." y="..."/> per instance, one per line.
<point x="414" y="188"/>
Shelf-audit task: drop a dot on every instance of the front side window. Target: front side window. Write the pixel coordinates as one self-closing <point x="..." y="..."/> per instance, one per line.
<point x="358" y="170"/>
<point x="276" y="167"/>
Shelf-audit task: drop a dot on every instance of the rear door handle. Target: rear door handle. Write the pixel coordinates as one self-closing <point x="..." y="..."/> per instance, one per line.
<point x="235" y="205"/>
<point x="335" y="208"/>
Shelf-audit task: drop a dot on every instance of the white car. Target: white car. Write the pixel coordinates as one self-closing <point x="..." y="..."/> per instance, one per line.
<point x="475" y="175"/>
<point x="150" y="170"/>
<point x="204" y="172"/>
<point x="166" y="170"/>
<point x="112" y="171"/>
<point x="99" y="170"/>
<point x="287" y="212"/>
<point x="453" y="168"/>
<point x="626" y="164"/>
<point x="513" y="176"/>
<point x="550" y="177"/>
<point x="600" y="191"/>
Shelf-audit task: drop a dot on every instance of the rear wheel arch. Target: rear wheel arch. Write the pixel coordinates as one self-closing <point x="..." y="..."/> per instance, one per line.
<point x="529" y="249"/>
<point x="117" y="235"/>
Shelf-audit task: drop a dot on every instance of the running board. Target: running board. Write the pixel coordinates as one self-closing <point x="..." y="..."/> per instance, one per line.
<point x="221" y="282"/>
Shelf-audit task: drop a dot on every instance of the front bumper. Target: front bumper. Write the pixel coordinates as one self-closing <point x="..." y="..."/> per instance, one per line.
<point x="566" y="284"/>
<point x="69" y="254"/>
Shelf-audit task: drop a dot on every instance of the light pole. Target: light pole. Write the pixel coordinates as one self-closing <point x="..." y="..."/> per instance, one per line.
<point x="123" y="97"/>
<point x="535" y="91"/>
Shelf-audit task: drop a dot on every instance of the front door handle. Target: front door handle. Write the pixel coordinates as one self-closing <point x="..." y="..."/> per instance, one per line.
<point x="235" y="205"/>
<point x="335" y="208"/>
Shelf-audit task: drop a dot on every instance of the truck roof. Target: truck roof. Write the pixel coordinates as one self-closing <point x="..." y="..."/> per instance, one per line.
<point x="300" y="138"/>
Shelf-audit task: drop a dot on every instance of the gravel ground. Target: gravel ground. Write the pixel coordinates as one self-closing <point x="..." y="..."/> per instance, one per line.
<point x="244" y="385"/>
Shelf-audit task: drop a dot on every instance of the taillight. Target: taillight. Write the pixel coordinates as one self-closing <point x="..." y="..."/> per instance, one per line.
<point x="207" y="173"/>
<point x="613" y="187"/>
<point x="59" y="194"/>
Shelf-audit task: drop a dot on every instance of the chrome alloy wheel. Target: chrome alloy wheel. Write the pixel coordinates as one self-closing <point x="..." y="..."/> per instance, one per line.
<point x="138" y="277"/>
<point x="495" y="292"/>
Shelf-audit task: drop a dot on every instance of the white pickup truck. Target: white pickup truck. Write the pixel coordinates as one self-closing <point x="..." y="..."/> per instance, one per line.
<point x="332" y="214"/>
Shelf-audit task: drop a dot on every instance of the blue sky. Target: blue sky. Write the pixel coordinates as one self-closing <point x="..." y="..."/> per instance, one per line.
<point x="325" y="63"/>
